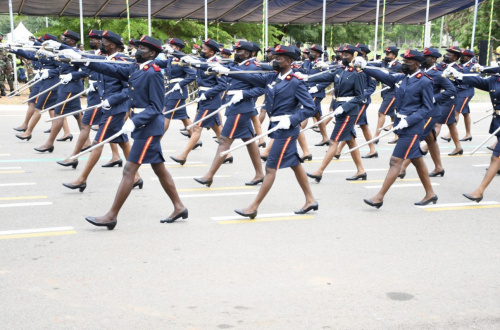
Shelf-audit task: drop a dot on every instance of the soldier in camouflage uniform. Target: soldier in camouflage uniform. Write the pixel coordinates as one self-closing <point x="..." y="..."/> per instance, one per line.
<point x="9" y="72"/>
<point x="3" y="68"/>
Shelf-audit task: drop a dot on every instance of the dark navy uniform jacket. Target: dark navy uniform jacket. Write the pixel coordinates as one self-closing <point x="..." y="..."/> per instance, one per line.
<point x="93" y="97"/>
<point x="413" y="98"/>
<point x="491" y="85"/>
<point x="307" y="68"/>
<point x="182" y="75"/>
<point x="443" y="91"/>
<point x="370" y="86"/>
<point x="211" y="86"/>
<point x="146" y="91"/>
<point x="348" y="82"/>
<point x="30" y="56"/>
<point x="75" y="86"/>
<point x="286" y="97"/>
<point x="46" y="64"/>
<point x="395" y="67"/>
<point x="463" y="90"/>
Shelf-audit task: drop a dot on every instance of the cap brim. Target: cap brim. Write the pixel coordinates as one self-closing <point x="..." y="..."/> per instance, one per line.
<point x="149" y="45"/>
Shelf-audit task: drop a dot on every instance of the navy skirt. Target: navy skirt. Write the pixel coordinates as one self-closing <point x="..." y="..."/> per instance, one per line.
<point x="109" y="126"/>
<point x="463" y="105"/>
<point x="67" y="107"/>
<point x="387" y="107"/>
<point x="408" y="147"/>
<point x="448" y="115"/>
<point x="238" y="126"/>
<point x="283" y="153"/>
<point x="361" y="118"/>
<point x="344" y="128"/>
<point x="92" y="116"/>
<point x="430" y="124"/>
<point x="177" y="114"/>
<point x="496" y="151"/>
<point x="46" y="100"/>
<point x="209" y="122"/>
<point x="146" y="151"/>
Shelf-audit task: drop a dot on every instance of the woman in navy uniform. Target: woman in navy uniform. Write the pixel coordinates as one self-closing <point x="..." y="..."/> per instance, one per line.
<point x="286" y="93"/>
<point x="147" y="94"/>
<point x="210" y="95"/>
<point x="491" y="85"/>
<point x="414" y="93"/>
<point x="465" y="94"/>
<point x="178" y="77"/>
<point x="349" y="97"/>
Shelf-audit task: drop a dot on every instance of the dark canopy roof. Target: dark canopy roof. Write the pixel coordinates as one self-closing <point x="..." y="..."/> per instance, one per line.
<point x="280" y="11"/>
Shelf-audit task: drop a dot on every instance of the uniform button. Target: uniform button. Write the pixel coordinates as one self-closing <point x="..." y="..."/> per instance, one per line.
<point x="132" y="88"/>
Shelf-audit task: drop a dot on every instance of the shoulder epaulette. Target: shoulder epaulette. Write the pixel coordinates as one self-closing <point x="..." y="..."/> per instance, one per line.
<point x="156" y="67"/>
<point x="247" y="63"/>
<point x="294" y="75"/>
<point x="419" y="75"/>
<point x="351" y="69"/>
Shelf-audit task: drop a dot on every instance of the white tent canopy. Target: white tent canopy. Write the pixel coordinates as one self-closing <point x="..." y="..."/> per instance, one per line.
<point x="21" y="33"/>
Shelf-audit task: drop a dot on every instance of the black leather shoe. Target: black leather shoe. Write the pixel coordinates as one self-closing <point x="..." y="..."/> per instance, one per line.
<point x="393" y="141"/>
<point x="313" y="207"/>
<point x="228" y="160"/>
<point x="459" y="152"/>
<point x="82" y="150"/>
<point x="19" y="129"/>
<point x="402" y="175"/>
<point x="80" y="186"/>
<point x="109" y="225"/>
<point x="424" y="152"/>
<point x="336" y="156"/>
<point x="183" y="215"/>
<point x="435" y="174"/>
<point x="207" y="183"/>
<point x="315" y="177"/>
<point x="73" y="164"/>
<point x="262" y="145"/>
<point x="264" y="158"/>
<point x="308" y="157"/>
<point x="446" y="139"/>
<point x="186" y="133"/>
<point x="322" y="144"/>
<point x="466" y="139"/>
<point x="139" y="183"/>
<point x="243" y="214"/>
<point x="177" y="160"/>
<point x="47" y="131"/>
<point x="490" y="148"/>
<point x="69" y="137"/>
<point x="432" y="200"/>
<point x="254" y="183"/>
<point x="376" y="205"/>
<point x="49" y="149"/>
<point x="118" y="162"/>
<point x="375" y="155"/>
<point x="376" y="141"/>
<point x="316" y="129"/>
<point x="474" y="199"/>
<point x="357" y="177"/>
<point x="198" y="144"/>
<point x="23" y="137"/>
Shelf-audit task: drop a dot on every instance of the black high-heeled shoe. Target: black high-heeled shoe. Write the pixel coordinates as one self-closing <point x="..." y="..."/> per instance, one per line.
<point x="183" y="215"/>
<point x="435" y="174"/>
<point x="69" y="137"/>
<point x="446" y="139"/>
<point x="264" y="158"/>
<point x="49" y="149"/>
<point x="118" y="162"/>
<point x="73" y="164"/>
<point x="308" y="157"/>
<point x="177" y="160"/>
<point x="376" y="205"/>
<point x="466" y="139"/>
<point x="490" y="148"/>
<point x="374" y="155"/>
<point x="47" y="131"/>
<point x="357" y="177"/>
<point x="402" y="175"/>
<point x="80" y="186"/>
<point x="83" y="149"/>
<point x="138" y="183"/>
<point x="432" y="200"/>
<point x="262" y="145"/>
<point x="459" y="152"/>
<point x="207" y="183"/>
<point x="228" y="160"/>
<point x="198" y="144"/>
<point x="27" y="138"/>
<point x="322" y="144"/>
<point x="336" y="156"/>
<point x="248" y="215"/>
<point x="254" y="183"/>
<point x="474" y="199"/>
<point x="185" y="133"/>
<point x="19" y="129"/>
<point x="315" y="177"/>
<point x="313" y="207"/>
<point x="109" y="225"/>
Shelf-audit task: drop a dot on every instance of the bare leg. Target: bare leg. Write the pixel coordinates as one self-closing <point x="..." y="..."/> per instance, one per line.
<point x="93" y="158"/>
<point x="264" y="189"/>
<point x="83" y="140"/>
<point x="258" y="128"/>
<point x="368" y="136"/>
<point x="31" y="126"/>
<point x="262" y="115"/>
<point x="322" y="129"/>
<point x="434" y="152"/>
<point x="301" y="139"/>
<point x="224" y="144"/>
<point x="467" y="122"/>
<point x="454" y="136"/>
<point x="29" y="114"/>
<point x="356" y="156"/>
<point x="488" y="177"/>
<point x="380" y="124"/>
<point x="394" y="169"/>
<point x="332" y="151"/>
<point x="65" y="127"/>
<point x="253" y="151"/>
<point x="168" y="184"/>
<point x="166" y="125"/>
<point x="301" y="176"/>
<point x="266" y="152"/>
<point x="195" y="137"/>
<point x="186" y="122"/>
<point x="54" y="130"/>
<point x="115" y="155"/>
<point x="423" y="174"/>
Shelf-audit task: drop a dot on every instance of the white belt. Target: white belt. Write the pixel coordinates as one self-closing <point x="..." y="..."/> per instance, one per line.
<point x="496" y="112"/>
<point x="138" y="110"/>
<point x="201" y="88"/>
<point x="234" y="91"/>
<point x="400" y="115"/>
<point x="278" y="118"/>
<point x="344" y="98"/>
<point x="175" y="80"/>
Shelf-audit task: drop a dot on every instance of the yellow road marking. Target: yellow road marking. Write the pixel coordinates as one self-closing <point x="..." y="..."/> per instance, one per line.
<point x="5" y="172"/>
<point x="54" y="233"/>
<point x="228" y="222"/>
<point x="374" y="181"/>
<point x="21" y="197"/>
<point x="194" y="165"/>
<point x="218" y="188"/>
<point x="454" y="208"/>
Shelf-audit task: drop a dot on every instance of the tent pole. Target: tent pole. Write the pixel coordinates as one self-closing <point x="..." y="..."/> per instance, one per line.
<point x="427" y="35"/>
<point x="323" y="29"/>
<point x="489" y="32"/>
<point x="149" y="17"/>
<point x="263" y="40"/>
<point x="441" y="32"/>
<point x="81" y="20"/>
<point x="375" y="49"/>
<point x="14" y="60"/>
<point x="474" y="26"/>
<point x="206" y="20"/>
<point x="266" y="44"/>
<point x="383" y="25"/>
<point x="128" y="20"/>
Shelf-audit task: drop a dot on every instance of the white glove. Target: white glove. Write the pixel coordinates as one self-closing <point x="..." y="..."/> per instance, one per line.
<point x="66" y="78"/>
<point x="45" y="74"/>
<point x="402" y="124"/>
<point x="220" y="68"/>
<point x="360" y="62"/>
<point x="313" y="90"/>
<point x="128" y="127"/>
<point x="455" y="73"/>
<point x="284" y="123"/>
<point x="52" y="44"/>
<point x="92" y="87"/>
<point x="168" y="49"/>
<point x="202" y="97"/>
<point x="105" y="105"/>
<point x="37" y="76"/>
<point x="70" y="53"/>
<point x="237" y="97"/>
<point x="323" y="65"/>
<point x="176" y="87"/>
<point x="338" y="111"/>
<point x="477" y="68"/>
<point x="189" y="59"/>
<point x="45" y="53"/>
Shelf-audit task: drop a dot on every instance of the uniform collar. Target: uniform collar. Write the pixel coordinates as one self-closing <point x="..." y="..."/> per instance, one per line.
<point x="391" y="62"/>
<point x="212" y="59"/>
<point x="280" y="76"/>
<point x="432" y="67"/>
<point x="245" y="61"/>
<point x="112" y="56"/>
<point x="413" y="75"/>
<point x="142" y="65"/>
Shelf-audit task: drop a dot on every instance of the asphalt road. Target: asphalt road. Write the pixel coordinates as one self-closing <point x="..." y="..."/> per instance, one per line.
<point x="346" y="266"/>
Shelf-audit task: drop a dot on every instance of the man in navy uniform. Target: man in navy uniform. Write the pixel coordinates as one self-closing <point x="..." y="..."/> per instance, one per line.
<point x="349" y="97"/>
<point x="413" y="100"/>
<point x="146" y="92"/>
<point x="286" y="94"/>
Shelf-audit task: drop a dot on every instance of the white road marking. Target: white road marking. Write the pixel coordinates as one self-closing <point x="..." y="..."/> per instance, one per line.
<point x="38" y="230"/>
<point x="26" y="204"/>
<point x="220" y="194"/>
<point x="460" y="204"/>
<point x="17" y="184"/>
<point x="401" y="185"/>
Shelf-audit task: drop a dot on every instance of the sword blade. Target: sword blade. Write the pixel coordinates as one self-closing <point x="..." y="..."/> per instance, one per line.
<point x="45" y="91"/>
<point x="67" y="100"/>
<point x="111" y="138"/>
